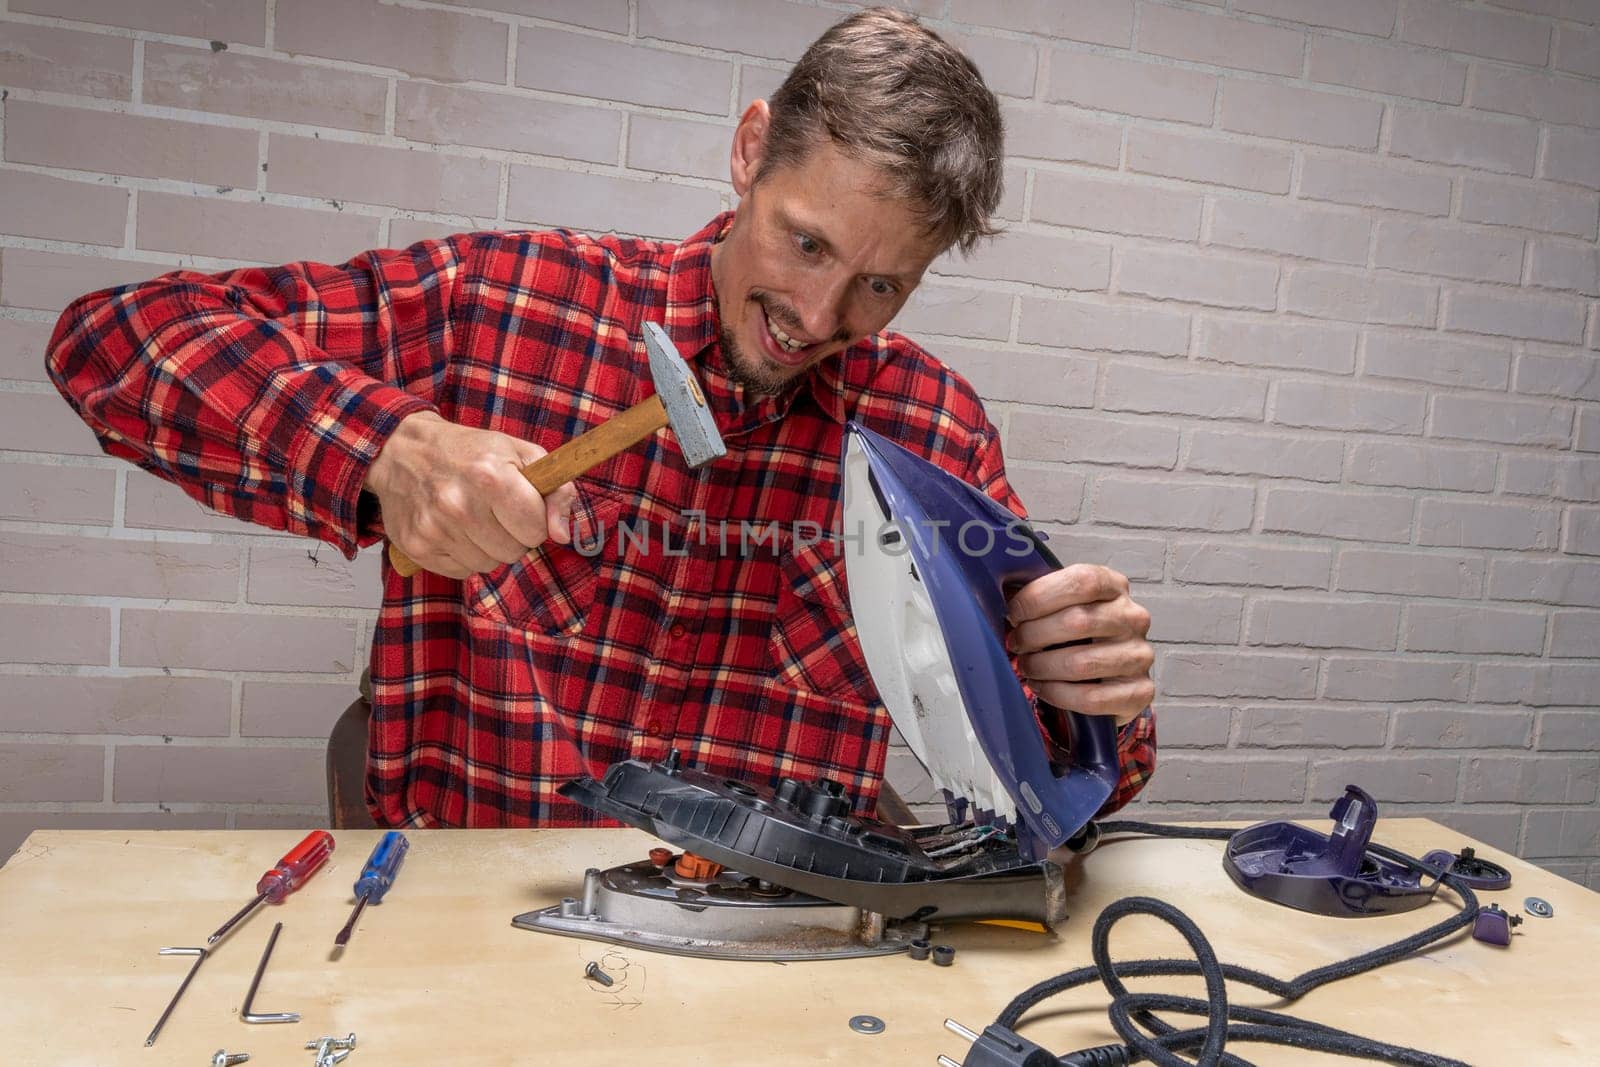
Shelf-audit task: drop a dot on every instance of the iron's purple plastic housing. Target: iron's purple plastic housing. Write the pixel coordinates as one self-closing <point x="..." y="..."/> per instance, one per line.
<point x="970" y="553"/>
<point x="1331" y="874"/>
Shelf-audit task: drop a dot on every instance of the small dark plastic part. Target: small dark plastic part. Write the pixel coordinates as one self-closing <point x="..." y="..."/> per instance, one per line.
<point x="919" y="949"/>
<point x="1493" y="926"/>
<point x="1479" y="874"/>
<point x="943" y="955"/>
<point x="1329" y="875"/>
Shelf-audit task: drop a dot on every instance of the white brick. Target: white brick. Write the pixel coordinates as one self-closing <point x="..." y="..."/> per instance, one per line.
<point x="1340" y="726"/>
<point x="1238" y="674"/>
<point x="37" y="422"/>
<point x="101" y="566"/>
<point x="1474" y="524"/>
<point x="1375" y="17"/>
<point x="1272" y="455"/>
<point x="1392" y="680"/>
<point x="1474" y="631"/>
<point x="1560" y="264"/>
<point x="583" y="65"/>
<point x="1103" y="327"/>
<point x="1291" y="345"/>
<point x="1465" y="140"/>
<point x="1512" y="313"/>
<point x="1524" y="780"/>
<point x="1422" y="466"/>
<point x="22" y="346"/>
<point x="1548" y="476"/>
<point x="1140" y="558"/>
<point x="110" y="143"/>
<point x="38" y="493"/>
<point x="1172" y="504"/>
<point x="1456" y="28"/>
<point x="1570" y="582"/>
<point x="772" y="29"/>
<point x="1473" y="253"/>
<point x="1115" y="206"/>
<point x="1051" y="378"/>
<point x="1531" y="205"/>
<point x="1250" y="563"/>
<point x="1410" y="573"/>
<point x="1588" y="431"/>
<point x="39" y="205"/>
<point x="1557" y="373"/>
<point x="958" y="312"/>
<point x="1336" y="406"/>
<point x="1583" y="538"/>
<point x="228" y="641"/>
<point x="1343" y="515"/>
<point x="447" y="115"/>
<point x="1107" y="22"/>
<point x="49" y="281"/>
<point x="234" y="21"/>
<point x="435" y="44"/>
<point x="1041" y="131"/>
<point x="256" y="87"/>
<point x="1369" y="183"/>
<point x="1423" y="358"/>
<point x="1194" y="726"/>
<point x="1213" y="160"/>
<point x="1131" y="386"/>
<point x="1381" y="68"/>
<point x="600" y="203"/>
<point x="57" y="60"/>
<point x="610" y="15"/>
<point x="369" y="174"/>
<point x="1293" y="229"/>
<point x="1092" y="439"/>
<point x="299" y="575"/>
<point x="1219" y="40"/>
<point x="1049" y="494"/>
<point x="1574" y="730"/>
<point x="1567" y="101"/>
<point x="1037" y="259"/>
<point x="1197" y="277"/>
<point x="1192" y="618"/>
<point x="249" y="229"/>
<point x="1009" y="68"/>
<point x="51" y="773"/>
<point x="1511" y="422"/>
<point x="1356" y="296"/>
<point x="1323" y="624"/>
<point x="1129" y="87"/>
<point x="137" y="704"/>
<point x="1211" y="780"/>
<point x="1277" y="110"/>
<point x="1577" y="51"/>
<point x="1576" y="634"/>
<point x="1537" y="686"/>
<point x="1572" y="156"/>
<point x="55" y="633"/>
<point x="1457" y="728"/>
<point x="189" y="774"/>
<point x="1430" y="780"/>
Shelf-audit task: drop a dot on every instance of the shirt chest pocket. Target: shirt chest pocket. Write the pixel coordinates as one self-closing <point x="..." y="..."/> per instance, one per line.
<point x="814" y="643"/>
<point x="549" y="590"/>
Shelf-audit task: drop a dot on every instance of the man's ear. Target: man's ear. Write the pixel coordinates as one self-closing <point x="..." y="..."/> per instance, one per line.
<point x="749" y="146"/>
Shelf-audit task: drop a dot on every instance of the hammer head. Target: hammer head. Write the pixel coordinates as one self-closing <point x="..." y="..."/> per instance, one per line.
<point x="687" y="413"/>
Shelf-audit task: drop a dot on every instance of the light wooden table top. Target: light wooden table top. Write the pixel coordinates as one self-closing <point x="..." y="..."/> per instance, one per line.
<point x="436" y="973"/>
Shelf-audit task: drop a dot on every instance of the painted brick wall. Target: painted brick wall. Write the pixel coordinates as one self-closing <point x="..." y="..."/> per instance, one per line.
<point x="1297" y="323"/>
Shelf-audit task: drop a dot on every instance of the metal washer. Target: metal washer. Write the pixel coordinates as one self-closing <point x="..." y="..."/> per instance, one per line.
<point x="1538" y="907"/>
<point x="867" y="1024"/>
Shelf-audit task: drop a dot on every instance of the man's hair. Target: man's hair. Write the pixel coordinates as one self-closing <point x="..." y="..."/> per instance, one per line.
<point x="891" y="92"/>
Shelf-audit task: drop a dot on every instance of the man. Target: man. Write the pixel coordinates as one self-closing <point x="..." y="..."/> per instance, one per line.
<point x="399" y="394"/>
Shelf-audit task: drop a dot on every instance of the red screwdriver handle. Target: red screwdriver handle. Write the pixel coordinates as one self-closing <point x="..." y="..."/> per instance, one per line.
<point x="298" y="864"/>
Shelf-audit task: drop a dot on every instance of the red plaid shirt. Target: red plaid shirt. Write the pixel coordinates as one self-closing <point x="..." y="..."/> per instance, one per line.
<point x="266" y="394"/>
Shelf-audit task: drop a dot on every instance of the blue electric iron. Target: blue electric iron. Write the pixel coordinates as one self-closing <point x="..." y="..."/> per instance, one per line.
<point x="930" y="561"/>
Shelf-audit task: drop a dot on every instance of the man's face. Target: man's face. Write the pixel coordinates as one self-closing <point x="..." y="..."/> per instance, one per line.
<point x="818" y="257"/>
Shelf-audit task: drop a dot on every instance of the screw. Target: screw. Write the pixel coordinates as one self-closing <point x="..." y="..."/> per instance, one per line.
<point x="224" y="1058"/>
<point x="594" y="971"/>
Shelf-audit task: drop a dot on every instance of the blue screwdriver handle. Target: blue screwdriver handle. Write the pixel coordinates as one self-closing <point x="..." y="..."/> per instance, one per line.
<point x="384" y="863"/>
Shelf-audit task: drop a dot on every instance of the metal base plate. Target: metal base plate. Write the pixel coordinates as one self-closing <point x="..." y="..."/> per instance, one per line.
<point x="729" y="917"/>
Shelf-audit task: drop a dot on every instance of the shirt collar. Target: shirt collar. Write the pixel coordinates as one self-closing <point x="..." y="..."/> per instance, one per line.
<point x="693" y="323"/>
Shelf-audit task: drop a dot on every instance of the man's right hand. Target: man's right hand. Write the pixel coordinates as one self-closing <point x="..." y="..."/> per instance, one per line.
<point x="454" y="498"/>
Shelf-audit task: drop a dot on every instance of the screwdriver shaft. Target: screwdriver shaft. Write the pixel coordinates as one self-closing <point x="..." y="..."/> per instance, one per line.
<point x="343" y="936"/>
<point x="231" y="923"/>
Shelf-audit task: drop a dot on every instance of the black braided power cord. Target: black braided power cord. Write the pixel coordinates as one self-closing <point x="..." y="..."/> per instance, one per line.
<point x="1130" y="1011"/>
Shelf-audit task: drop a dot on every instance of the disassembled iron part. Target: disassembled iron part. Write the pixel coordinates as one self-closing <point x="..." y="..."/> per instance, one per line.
<point x="245" y="1012"/>
<point x="224" y="1058"/>
<point x="594" y="971"/>
<point x="725" y="915"/>
<point x="1478" y="873"/>
<point x="867" y="1024"/>
<point x="1493" y="926"/>
<point x="200" y="957"/>
<point x="1331" y="874"/>
<point x="943" y="955"/>
<point x="1538" y="907"/>
<point x="919" y="949"/>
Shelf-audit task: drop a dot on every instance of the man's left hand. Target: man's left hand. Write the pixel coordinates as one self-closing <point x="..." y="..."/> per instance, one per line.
<point x="1108" y="676"/>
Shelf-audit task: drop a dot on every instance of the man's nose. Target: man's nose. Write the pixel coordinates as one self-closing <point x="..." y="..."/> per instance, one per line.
<point x="822" y="305"/>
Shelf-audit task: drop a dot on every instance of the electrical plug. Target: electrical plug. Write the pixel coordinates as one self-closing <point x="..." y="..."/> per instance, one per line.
<point x="998" y="1047"/>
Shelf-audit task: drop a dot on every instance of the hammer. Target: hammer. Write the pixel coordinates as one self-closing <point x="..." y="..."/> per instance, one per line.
<point x="677" y="403"/>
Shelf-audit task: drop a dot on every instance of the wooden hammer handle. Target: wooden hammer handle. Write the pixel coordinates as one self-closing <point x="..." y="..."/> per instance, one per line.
<point x="579" y="455"/>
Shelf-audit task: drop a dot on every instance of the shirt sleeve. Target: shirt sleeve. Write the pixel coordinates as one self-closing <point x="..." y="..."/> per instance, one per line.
<point x="1136" y="741"/>
<point x="266" y="393"/>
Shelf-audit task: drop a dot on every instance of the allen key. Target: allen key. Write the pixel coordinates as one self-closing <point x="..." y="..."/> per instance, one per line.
<point x="265" y="1016"/>
<point x="199" y="955"/>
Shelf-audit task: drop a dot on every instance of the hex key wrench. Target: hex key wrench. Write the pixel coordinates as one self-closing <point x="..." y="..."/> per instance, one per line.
<point x="265" y="1016"/>
<point x="199" y="955"/>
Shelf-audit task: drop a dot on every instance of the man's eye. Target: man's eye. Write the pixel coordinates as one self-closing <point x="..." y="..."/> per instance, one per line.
<point x="880" y="287"/>
<point x="806" y="244"/>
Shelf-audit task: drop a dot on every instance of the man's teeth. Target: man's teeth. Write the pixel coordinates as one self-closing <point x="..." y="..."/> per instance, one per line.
<point x="782" y="338"/>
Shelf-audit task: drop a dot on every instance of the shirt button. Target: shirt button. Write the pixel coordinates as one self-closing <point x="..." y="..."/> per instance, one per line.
<point x="678" y="631"/>
<point x="653" y="728"/>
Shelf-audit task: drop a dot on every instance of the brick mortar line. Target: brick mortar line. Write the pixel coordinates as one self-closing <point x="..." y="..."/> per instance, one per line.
<point x="116" y="602"/>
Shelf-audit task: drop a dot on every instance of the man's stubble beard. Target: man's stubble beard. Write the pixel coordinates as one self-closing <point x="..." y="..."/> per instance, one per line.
<point x="749" y="373"/>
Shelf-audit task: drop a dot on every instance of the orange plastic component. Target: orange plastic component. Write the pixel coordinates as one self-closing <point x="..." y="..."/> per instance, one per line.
<point x="697" y="867"/>
<point x="661" y="856"/>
